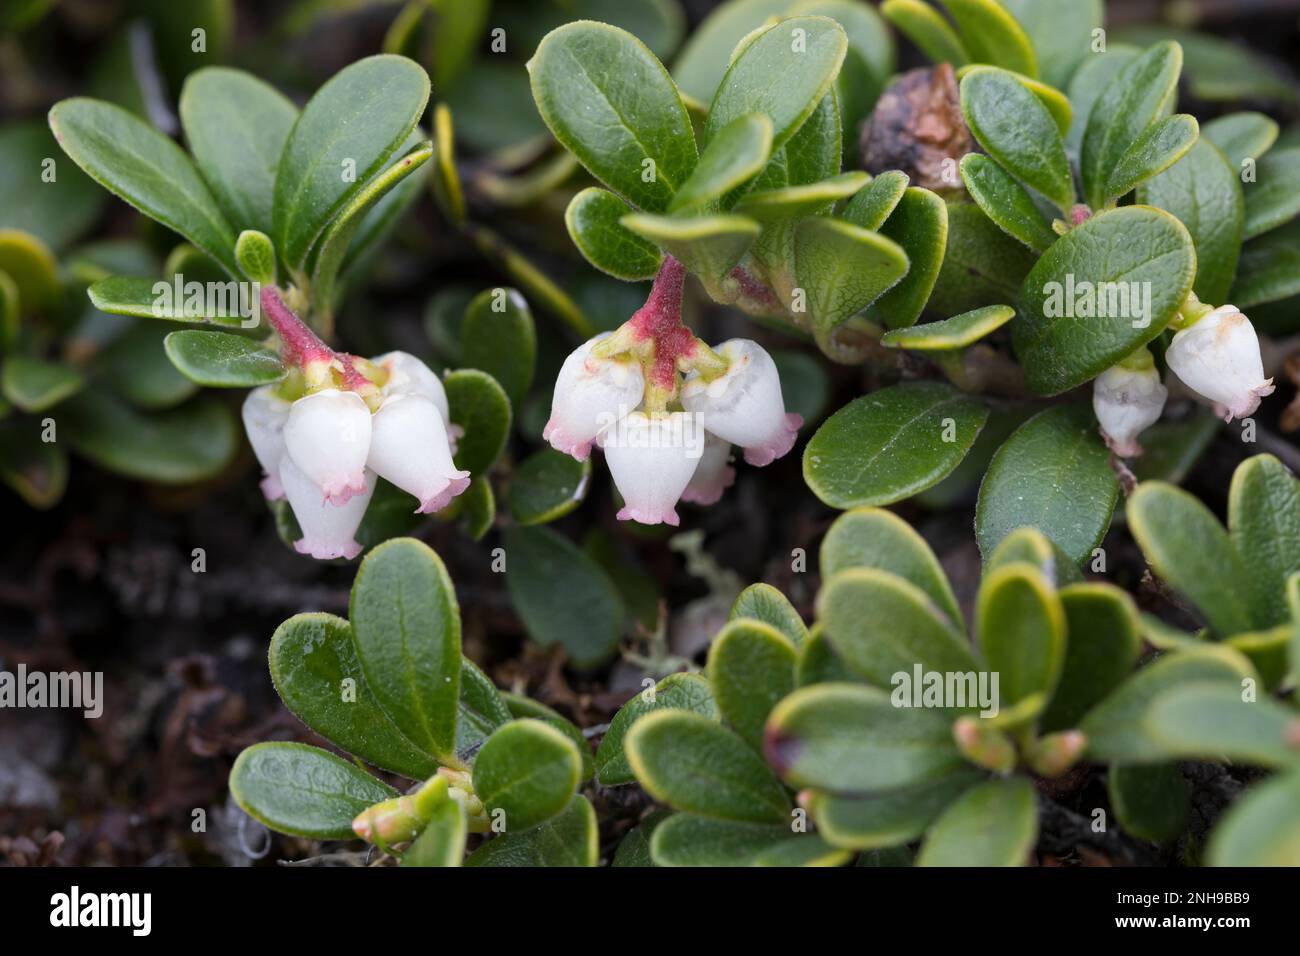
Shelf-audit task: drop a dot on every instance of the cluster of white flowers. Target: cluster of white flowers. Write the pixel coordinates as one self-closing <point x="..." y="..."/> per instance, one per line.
<point x="1216" y="355"/>
<point x="323" y="451"/>
<point x="659" y="457"/>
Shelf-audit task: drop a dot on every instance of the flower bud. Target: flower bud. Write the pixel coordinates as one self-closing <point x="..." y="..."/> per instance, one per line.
<point x="264" y="415"/>
<point x="652" y="459"/>
<point x="328" y="531"/>
<point x="1218" y="357"/>
<point x="1127" y="401"/>
<point x="401" y="818"/>
<point x="590" y="395"/>
<point x="409" y="447"/>
<point x="743" y="405"/>
<point x="328" y="438"/>
<point x="407" y="374"/>
<point x="713" y="475"/>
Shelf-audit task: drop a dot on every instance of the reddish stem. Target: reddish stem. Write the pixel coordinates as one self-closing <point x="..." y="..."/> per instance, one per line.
<point x="298" y="344"/>
<point x="660" y="320"/>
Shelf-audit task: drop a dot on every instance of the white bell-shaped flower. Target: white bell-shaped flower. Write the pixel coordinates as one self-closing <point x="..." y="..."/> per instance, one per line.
<point x="713" y="475"/>
<point x="264" y="415"/>
<point x="328" y="438"/>
<point x="407" y="374"/>
<point x="409" y="447"/>
<point x="652" y="459"/>
<point x="591" y="394"/>
<point x="1127" y="401"/>
<point x="328" y="531"/>
<point x="1218" y="357"/>
<point x="743" y="405"/>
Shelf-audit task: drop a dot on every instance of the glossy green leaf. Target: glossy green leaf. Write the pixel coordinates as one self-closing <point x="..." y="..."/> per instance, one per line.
<point x="1061" y="32"/>
<point x="1202" y="190"/>
<point x="1151" y="801"/>
<point x="255" y="254"/>
<point x="877" y="820"/>
<point x="879" y="539"/>
<point x="520" y="706"/>
<point x="689" y="692"/>
<point x="352" y="125"/>
<point x="1021" y="626"/>
<point x="1264" y="527"/>
<point x="1274" y="197"/>
<point x="406" y="627"/>
<point x="221" y="360"/>
<point x="946" y="335"/>
<point x="875" y="202"/>
<point x="1103" y="289"/>
<point x="919" y="225"/>
<point x="707" y="53"/>
<point x="176" y="446"/>
<point x="1205" y="721"/>
<point x="1102" y="645"/>
<point x="146" y="169"/>
<point x="562" y="596"/>
<point x="1054" y="101"/>
<point x="1241" y="136"/>
<point x="1028" y="545"/>
<point x="1053" y="474"/>
<point x="762" y="602"/>
<point x="594" y="220"/>
<point x="1269" y="269"/>
<point x="303" y="790"/>
<point x="1016" y="129"/>
<point x="924" y="26"/>
<point x="481" y="710"/>
<point x="499" y="337"/>
<point x="236" y="127"/>
<point x="312" y="655"/>
<point x="610" y="102"/>
<point x="880" y="625"/>
<point x="156" y="299"/>
<point x="709" y="246"/>
<point x="694" y="764"/>
<point x="735" y="155"/>
<point x="1090" y="79"/>
<point x="570" y="839"/>
<point x="1137" y="97"/>
<point x="1186" y="545"/>
<point x="795" y="202"/>
<point x="1263" y="828"/>
<point x="442" y="841"/>
<point x="992" y="35"/>
<point x="889" y="445"/>
<point x="1160" y="146"/>
<point x="686" y="839"/>
<point x="527" y="770"/>
<point x="751" y="668"/>
<point x="868" y="64"/>
<point x="804" y="52"/>
<point x="546" y="486"/>
<point x="34" y="385"/>
<point x="994" y="824"/>
<point x="479" y="406"/>
<point x="982" y="265"/>
<point x="1116" y="728"/>
<point x="849" y="738"/>
<point x="1005" y="201"/>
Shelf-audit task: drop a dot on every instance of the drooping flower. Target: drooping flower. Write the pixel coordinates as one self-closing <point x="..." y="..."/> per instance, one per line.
<point x="1218" y="357"/>
<point x="713" y="475"/>
<point x="591" y="394"/>
<point x="328" y="437"/>
<point x="1127" y="399"/>
<point x="744" y="405"/>
<point x="328" y="530"/>
<point x="264" y="415"/>
<point x="409" y="447"/>
<point x="652" y="459"/>
<point x="407" y="374"/>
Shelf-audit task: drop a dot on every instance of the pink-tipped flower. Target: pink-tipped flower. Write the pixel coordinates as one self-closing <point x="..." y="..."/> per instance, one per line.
<point x="407" y="374"/>
<point x="1218" y="357"/>
<point x="328" y="531"/>
<point x="743" y="405"/>
<point x="713" y="475"/>
<point x="591" y="394"/>
<point x="652" y="459"/>
<point x="328" y="438"/>
<point x="264" y="416"/>
<point x="1127" y="401"/>
<point x="409" y="447"/>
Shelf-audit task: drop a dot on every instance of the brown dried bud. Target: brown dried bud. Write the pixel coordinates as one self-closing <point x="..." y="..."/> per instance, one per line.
<point x="918" y="127"/>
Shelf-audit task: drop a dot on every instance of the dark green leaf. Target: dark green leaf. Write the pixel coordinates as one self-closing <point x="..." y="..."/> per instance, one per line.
<point x="919" y="225"/>
<point x="1241" y="136"/>
<point x="1061" y="32"/>
<point x="1206" y="721"/>
<point x="762" y="602"/>
<point x="1151" y="801"/>
<point x="221" y="360"/>
<point x="994" y="824"/>
<point x="735" y="155"/>
<point x="498" y="336"/>
<point x="1264" y="526"/>
<point x="528" y="770"/>
<point x="55" y="212"/>
<point x="442" y="842"/>
<point x="480" y="406"/>
<point x="689" y="692"/>
<point x="1269" y="270"/>
<point x="37" y="470"/>
<point x="594" y="222"/>
<point x="707" y="53"/>
<point x="875" y="202"/>
<point x="1160" y="146"/>
<point x="923" y="25"/>
<point x="520" y="706"/>
<point x="1102" y="646"/>
<point x="570" y="839"/>
<point x="1005" y="201"/>
<point x="685" y="839"/>
<point x="34" y="385"/>
<point x="1022" y="631"/>
<point x="981" y="266"/>
<point x="992" y="35"/>
<point x="878" y="820"/>
<point x="710" y="246"/>
<point x="547" y="485"/>
<point x="1274" y="197"/>
<point x="948" y="335"/>
<point x="1263" y="828"/>
<point x="751" y="667"/>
